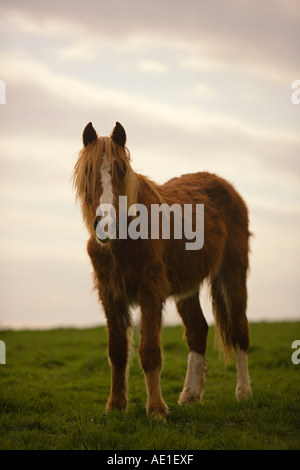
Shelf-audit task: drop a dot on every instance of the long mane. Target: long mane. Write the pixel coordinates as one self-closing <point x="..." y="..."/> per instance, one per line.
<point x="87" y="171"/>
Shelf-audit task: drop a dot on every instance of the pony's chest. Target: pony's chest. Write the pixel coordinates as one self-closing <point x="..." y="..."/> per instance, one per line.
<point x="123" y="278"/>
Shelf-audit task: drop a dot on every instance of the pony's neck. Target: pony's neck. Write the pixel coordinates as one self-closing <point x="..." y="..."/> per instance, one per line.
<point x="132" y="186"/>
<point x="152" y="189"/>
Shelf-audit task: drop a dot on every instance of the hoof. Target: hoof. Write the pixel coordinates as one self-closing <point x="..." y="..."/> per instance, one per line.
<point x="158" y="411"/>
<point x="243" y="393"/>
<point x="116" y="404"/>
<point x="188" y="396"/>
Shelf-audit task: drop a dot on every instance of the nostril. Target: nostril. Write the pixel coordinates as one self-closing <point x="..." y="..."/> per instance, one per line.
<point x="96" y="221"/>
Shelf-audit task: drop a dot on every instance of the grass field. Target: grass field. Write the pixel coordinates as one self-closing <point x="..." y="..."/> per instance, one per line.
<point x="54" y="386"/>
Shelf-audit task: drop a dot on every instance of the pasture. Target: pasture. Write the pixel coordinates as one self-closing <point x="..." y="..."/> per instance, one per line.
<point x="55" y="384"/>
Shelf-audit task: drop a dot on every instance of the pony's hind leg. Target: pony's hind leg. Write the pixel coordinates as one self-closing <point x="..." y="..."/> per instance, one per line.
<point x="196" y="330"/>
<point x="240" y="341"/>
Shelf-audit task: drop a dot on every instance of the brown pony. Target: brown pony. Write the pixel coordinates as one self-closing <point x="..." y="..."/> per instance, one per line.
<point x="146" y="272"/>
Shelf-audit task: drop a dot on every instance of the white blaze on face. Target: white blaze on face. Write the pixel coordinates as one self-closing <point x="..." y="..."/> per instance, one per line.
<point x="107" y="196"/>
<point x="106" y="227"/>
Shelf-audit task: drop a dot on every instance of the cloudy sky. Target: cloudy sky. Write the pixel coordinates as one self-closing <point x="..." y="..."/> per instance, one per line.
<point x="198" y="85"/>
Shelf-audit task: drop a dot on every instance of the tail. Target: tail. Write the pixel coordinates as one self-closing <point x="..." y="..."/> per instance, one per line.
<point x="223" y="336"/>
<point x="229" y="283"/>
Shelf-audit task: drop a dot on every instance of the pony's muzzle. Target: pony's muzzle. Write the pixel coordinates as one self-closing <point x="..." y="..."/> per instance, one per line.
<point x="96" y="222"/>
<point x="100" y="235"/>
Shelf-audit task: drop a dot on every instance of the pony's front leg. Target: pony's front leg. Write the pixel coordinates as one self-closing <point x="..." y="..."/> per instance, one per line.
<point x="151" y="357"/>
<point x="118" y="323"/>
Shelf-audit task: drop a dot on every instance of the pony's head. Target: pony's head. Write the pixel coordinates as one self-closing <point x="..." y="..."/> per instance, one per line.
<point x="103" y="172"/>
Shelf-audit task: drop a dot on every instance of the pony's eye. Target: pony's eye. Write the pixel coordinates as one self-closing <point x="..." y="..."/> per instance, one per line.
<point x="120" y="169"/>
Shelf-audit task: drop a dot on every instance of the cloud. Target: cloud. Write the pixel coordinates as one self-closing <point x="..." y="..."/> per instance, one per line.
<point x="79" y="94"/>
<point x="228" y="144"/>
<point x="83" y="51"/>
<point x="263" y="39"/>
<point x="152" y="66"/>
<point x="202" y="90"/>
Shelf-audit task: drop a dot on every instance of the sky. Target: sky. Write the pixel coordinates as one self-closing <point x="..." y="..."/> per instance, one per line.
<point x="198" y="85"/>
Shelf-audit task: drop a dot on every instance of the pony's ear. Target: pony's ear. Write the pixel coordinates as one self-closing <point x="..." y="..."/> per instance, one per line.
<point x="119" y="135"/>
<point x="89" y="134"/>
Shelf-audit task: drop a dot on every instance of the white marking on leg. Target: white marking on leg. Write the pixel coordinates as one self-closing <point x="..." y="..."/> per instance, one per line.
<point x="195" y="378"/>
<point x="107" y="196"/>
<point x="243" y="388"/>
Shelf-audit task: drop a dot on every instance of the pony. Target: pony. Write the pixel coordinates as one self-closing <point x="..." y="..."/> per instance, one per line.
<point x="145" y="272"/>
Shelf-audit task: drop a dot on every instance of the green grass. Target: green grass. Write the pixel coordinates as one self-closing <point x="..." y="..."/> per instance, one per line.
<point x="54" y="387"/>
